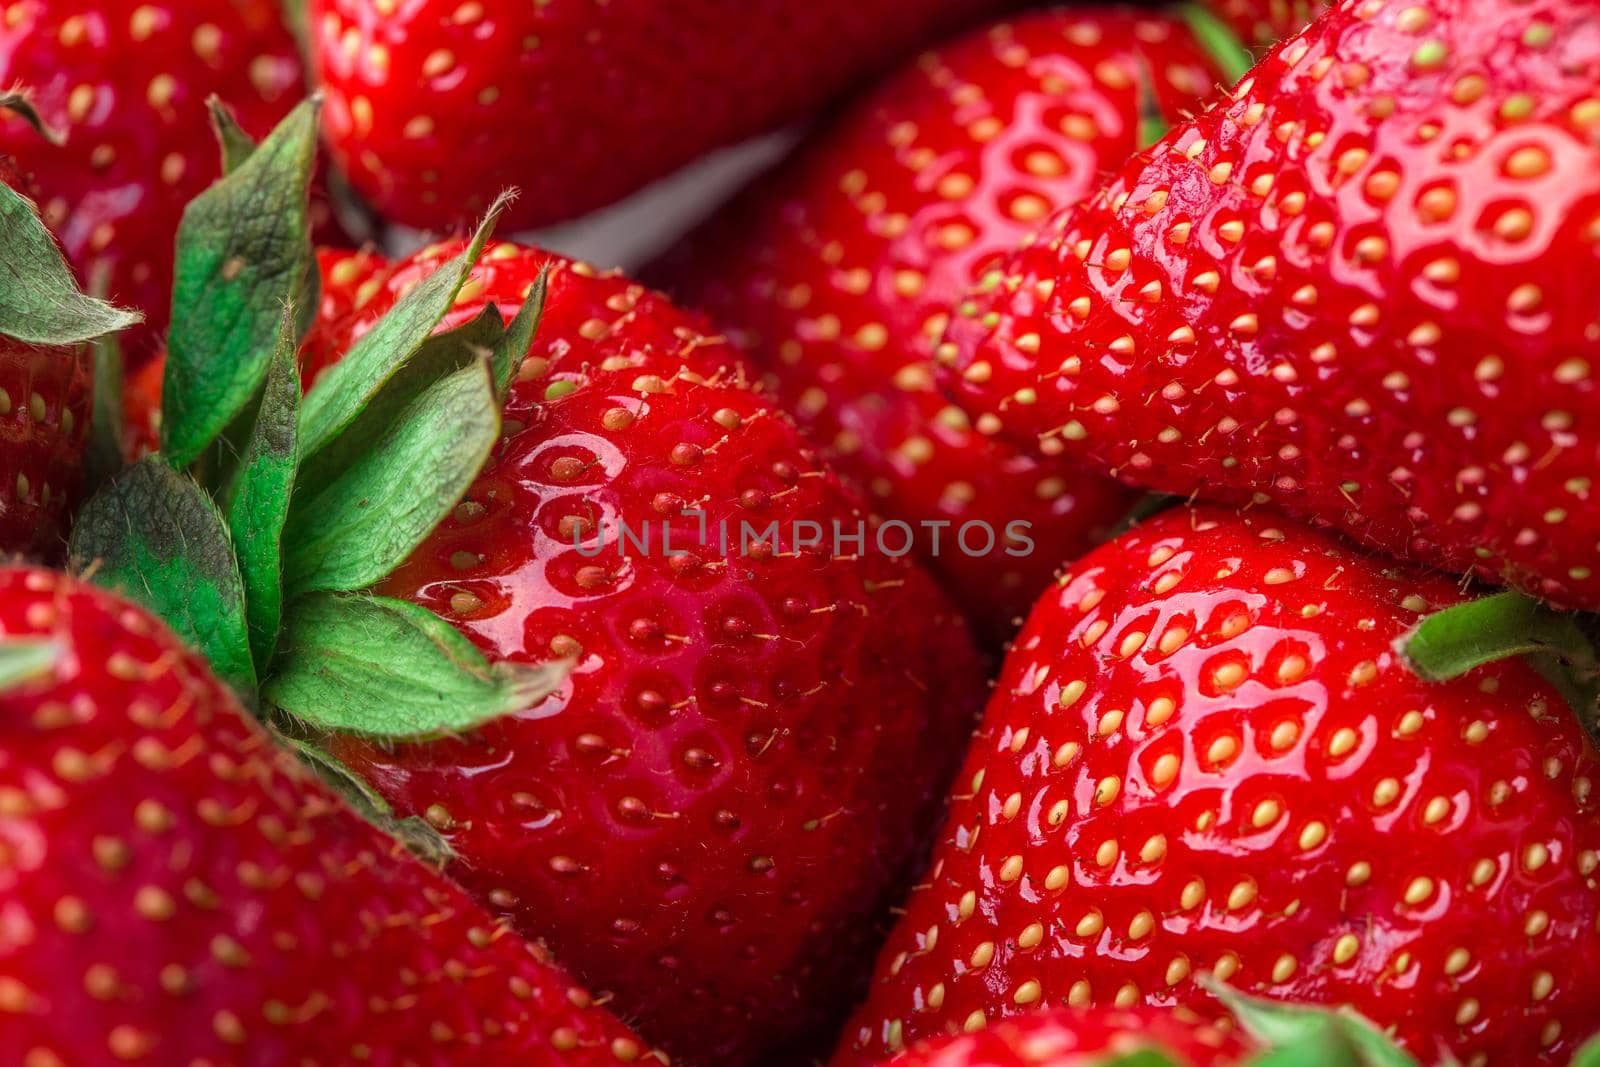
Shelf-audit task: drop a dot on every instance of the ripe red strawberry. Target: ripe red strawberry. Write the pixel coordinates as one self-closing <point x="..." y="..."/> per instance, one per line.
<point x="717" y="807"/>
<point x="1205" y="755"/>
<point x="1364" y="289"/>
<point x="1084" y="1039"/>
<point x="45" y="392"/>
<point x="126" y="82"/>
<point x="434" y="106"/>
<point x="840" y="270"/>
<point x="178" y="890"/>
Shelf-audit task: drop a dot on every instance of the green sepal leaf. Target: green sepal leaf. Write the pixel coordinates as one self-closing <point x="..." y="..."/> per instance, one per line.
<point x="415" y="833"/>
<point x="1288" y="1026"/>
<point x="258" y="501"/>
<point x="40" y="302"/>
<point x="237" y="145"/>
<point x="386" y="669"/>
<point x="1588" y="1055"/>
<point x="25" y="659"/>
<point x="513" y="347"/>
<point x="1141" y="1058"/>
<point x="154" y="536"/>
<point x="1451" y="642"/>
<point x="363" y="524"/>
<point x="343" y="393"/>
<point x="1227" y="52"/>
<point x="21" y="105"/>
<point x="244" y="251"/>
<point x="439" y="356"/>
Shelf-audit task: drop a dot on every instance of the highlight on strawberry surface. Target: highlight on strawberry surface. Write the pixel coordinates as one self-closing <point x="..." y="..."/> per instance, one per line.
<point x="1092" y="559"/>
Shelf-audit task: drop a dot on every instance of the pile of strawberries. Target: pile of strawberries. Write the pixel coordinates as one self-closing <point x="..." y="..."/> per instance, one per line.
<point x="1089" y="565"/>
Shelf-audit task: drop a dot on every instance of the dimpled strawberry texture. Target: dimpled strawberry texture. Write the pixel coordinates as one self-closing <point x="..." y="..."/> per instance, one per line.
<point x="1364" y="289"/>
<point x="1205" y="756"/>
<point x="45" y="396"/>
<point x="127" y="82"/>
<point x="434" y="106"/>
<point x="1084" y="1039"/>
<point x="840" y="271"/>
<point x="178" y="890"/>
<point x="712" y="815"/>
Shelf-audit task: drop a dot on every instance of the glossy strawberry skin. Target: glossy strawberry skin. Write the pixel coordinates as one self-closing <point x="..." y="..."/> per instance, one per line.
<point x="839" y="271"/>
<point x="713" y="814"/>
<point x="1369" y="296"/>
<point x="1083" y="1039"/>
<point x="179" y="890"/>
<point x="127" y="82"/>
<point x="435" y="106"/>
<point x="1204" y="755"/>
<point x="45" y="394"/>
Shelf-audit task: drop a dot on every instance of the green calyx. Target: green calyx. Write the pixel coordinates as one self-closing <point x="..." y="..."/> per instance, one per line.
<point x="1451" y="642"/>
<point x="271" y="511"/>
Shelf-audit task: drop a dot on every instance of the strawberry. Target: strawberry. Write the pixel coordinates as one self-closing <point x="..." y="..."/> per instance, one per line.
<point x="708" y="812"/>
<point x="1084" y="1039"/>
<point x="1362" y="289"/>
<point x="434" y="106"/>
<point x="179" y="890"/>
<point x="125" y="81"/>
<point x="45" y="380"/>
<point x="747" y="746"/>
<point x="839" y="271"/>
<point x="1205" y="756"/>
<point x="1266" y="22"/>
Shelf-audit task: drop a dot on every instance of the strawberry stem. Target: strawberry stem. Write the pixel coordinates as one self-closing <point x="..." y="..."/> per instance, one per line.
<point x="1451" y="642"/>
<point x="1220" y="43"/>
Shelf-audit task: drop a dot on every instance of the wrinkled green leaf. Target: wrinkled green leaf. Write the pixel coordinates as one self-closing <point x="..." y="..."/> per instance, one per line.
<point x="384" y="668"/>
<point x="365" y="522"/>
<point x="237" y="145"/>
<point x="25" y="659"/>
<point x="155" y="537"/>
<point x="258" y="505"/>
<point x="513" y="346"/>
<point x="40" y="302"/>
<point x="343" y="393"/>
<point x="439" y="356"/>
<point x="244" y="251"/>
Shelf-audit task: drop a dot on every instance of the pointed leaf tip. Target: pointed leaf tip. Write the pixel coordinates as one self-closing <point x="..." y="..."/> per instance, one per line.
<point x="20" y="104"/>
<point x="244" y="250"/>
<point x="40" y="302"/>
<point x="383" y="668"/>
